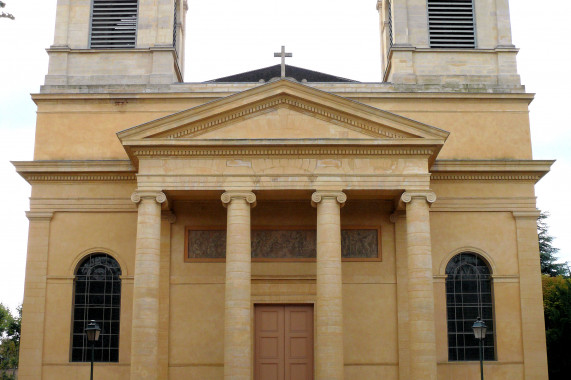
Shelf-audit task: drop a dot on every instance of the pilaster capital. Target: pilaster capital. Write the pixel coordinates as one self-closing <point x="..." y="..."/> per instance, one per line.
<point x="230" y="195"/>
<point x="395" y="216"/>
<point x="169" y="216"/>
<point x="158" y="196"/>
<point x="34" y="216"/>
<point x="318" y="196"/>
<point x="428" y="196"/>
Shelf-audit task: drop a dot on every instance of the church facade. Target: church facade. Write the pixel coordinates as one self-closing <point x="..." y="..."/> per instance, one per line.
<point x="283" y="223"/>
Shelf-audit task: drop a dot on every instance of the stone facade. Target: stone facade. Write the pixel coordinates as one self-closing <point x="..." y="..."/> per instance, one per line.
<point x="438" y="159"/>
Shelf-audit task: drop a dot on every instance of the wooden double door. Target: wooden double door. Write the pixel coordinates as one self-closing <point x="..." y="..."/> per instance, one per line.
<point x="283" y="342"/>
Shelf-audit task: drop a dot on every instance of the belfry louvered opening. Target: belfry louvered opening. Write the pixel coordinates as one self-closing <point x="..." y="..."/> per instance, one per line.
<point x="113" y="24"/>
<point x="451" y="23"/>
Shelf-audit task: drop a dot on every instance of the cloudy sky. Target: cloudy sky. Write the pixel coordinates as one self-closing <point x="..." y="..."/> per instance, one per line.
<point x="228" y="36"/>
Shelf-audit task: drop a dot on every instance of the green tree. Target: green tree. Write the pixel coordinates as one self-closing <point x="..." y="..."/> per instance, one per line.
<point x="557" y="308"/>
<point x="5" y="15"/>
<point x="547" y="252"/>
<point x="10" y="327"/>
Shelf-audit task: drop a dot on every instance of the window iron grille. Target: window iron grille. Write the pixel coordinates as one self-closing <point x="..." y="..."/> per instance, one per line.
<point x="469" y="296"/>
<point x="113" y="24"/>
<point x="451" y="23"/>
<point x="97" y="296"/>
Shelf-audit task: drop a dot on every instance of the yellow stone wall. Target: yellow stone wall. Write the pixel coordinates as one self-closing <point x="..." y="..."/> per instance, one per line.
<point x="473" y="212"/>
<point x="480" y="126"/>
<point x="196" y="313"/>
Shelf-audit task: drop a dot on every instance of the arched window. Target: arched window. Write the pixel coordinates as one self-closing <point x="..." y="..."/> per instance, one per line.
<point x="469" y="296"/>
<point x="97" y="296"/>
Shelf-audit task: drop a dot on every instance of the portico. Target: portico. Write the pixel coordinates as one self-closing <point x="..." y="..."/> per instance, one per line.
<point x="284" y="140"/>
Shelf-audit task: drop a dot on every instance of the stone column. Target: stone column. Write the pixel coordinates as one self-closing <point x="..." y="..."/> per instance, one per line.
<point x="33" y="308"/>
<point x="237" y="307"/>
<point x="329" y="305"/>
<point x="422" y="338"/>
<point x="145" y="325"/>
<point x="532" y="319"/>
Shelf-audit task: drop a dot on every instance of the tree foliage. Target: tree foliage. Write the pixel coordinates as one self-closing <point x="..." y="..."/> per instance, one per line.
<point x="557" y="308"/>
<point x="547" y="252"/>
<point x="5" y="15"/>
<point x="10" y="327"/>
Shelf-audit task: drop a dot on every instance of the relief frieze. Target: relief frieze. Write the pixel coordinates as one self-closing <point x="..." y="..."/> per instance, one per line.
<point x="287" y="244"/>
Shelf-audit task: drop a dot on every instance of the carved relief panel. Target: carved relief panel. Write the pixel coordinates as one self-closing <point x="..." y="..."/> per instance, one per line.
<point x="287" y="244"/>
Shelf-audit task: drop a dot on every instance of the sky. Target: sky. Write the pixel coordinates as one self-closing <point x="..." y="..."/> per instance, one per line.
<point x="225" y="37"/>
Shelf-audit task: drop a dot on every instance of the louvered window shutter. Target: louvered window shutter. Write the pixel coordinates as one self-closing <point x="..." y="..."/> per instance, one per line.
<point x="451" y="23"/>
<point x="113" y="24"/>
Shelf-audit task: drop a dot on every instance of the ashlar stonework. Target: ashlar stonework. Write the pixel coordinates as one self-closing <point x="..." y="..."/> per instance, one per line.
<point x="229" y="207"/>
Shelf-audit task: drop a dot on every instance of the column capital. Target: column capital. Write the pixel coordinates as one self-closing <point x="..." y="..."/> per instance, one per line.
<point x="318" y="196"/>
<point x="230" y="195"/>
<point x="427" y="195"/>
<point x="158" y="196"/>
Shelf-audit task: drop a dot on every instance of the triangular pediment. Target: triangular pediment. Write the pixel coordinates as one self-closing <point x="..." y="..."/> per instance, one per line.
<point x="283" y="110"/>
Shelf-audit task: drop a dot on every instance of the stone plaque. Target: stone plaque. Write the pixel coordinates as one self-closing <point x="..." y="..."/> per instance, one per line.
<point x="284" y="244"/>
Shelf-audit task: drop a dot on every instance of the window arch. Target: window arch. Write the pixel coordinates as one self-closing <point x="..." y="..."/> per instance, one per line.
<point x="97" y="296"/>
<point x="469" y="296"/>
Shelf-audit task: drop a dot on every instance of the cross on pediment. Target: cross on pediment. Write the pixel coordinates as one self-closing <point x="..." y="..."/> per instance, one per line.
<point x="283" y="55"/>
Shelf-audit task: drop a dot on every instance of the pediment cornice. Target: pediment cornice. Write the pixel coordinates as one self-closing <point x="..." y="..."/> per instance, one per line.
<point x="369" y="121"/>
<point x="294" y="103"/>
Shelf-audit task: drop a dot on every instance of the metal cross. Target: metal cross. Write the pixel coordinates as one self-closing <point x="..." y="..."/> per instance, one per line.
<point x="283" y="55"/>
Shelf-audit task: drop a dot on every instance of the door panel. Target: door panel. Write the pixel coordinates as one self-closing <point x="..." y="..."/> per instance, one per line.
<point x="283" y="342"/>
<point x="269" y="325"/>
<point x="299" y="342"/>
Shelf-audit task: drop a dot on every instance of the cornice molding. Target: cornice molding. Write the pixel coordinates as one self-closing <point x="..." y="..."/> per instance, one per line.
<point x="495" y="204"/>
<point x="490" y="170"/>
<point x="80" y="178"/>
<point x="82" y="205"/>
<point x="291" y="150"/>
<point x="76" y="171"/>
<point x="533" y="214"/>
<point x="43" y="216"/>
<point x="491" y="165"/>
<point x="486" y="177"/>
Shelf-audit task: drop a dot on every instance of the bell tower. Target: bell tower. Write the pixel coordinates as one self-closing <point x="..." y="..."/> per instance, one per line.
<point x="106" y="42"/>
<point x="452" y="43"/>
